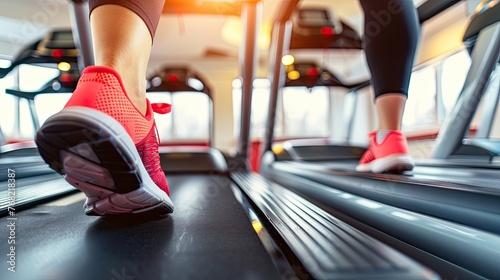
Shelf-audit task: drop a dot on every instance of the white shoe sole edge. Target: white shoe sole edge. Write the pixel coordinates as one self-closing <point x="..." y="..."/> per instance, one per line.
<point x="82" y="168"/>
<point x="392" y="163"/>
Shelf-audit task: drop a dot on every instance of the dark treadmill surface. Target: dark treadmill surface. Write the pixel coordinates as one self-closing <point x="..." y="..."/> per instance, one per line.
<point x="208" y="236"/>
<point x="469" y="196"/>
<point x="479" y="178"/>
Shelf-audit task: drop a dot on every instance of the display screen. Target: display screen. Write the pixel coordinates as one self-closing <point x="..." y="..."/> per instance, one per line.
<point x="62" y="36"/>
<point x="314" y="17"/>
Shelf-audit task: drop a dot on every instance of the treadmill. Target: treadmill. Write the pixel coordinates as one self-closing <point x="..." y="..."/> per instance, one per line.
<point x="55" y="47"/>
<point x="36" y="182"/>
<point x="228" y="223"/>
<point x="447" y="194"/>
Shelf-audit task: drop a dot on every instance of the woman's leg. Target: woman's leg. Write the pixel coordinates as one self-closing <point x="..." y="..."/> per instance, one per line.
<point x="115" y="46"/>
<point x="122" y="33"/>
<point x="392" y="31"/>
<point x="104" y="140"/>
<point x="390" y="108"/>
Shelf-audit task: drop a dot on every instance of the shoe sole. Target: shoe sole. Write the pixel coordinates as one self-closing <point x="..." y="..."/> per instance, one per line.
<point x="394" y="163"/>
<point x="97" y="156"/>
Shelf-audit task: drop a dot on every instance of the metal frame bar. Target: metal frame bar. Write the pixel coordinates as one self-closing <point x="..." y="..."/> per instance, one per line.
<point x="352" y="116"/>
<point x="491" y="98"/>
<point x="3" y="140"/>
<point x="280" y="43"/>
<point x="251" y="16"/>
<point x="211" y="129"/>
<point x="80" y="24"/>
<point x="17" y="106"/>
<point x="331" y="116"/>
<point x="441" y="110"/>
<point x="34" y="115"/>
<point x="485" y="56"/>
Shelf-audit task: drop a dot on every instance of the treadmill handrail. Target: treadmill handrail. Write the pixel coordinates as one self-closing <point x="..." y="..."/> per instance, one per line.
<point x="30" y="95"/>
<point x="432" y="8"/>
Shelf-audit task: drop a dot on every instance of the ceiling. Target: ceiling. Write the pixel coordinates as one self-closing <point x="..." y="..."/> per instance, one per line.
<point x="22" y="21"/>
<point x="179" y="37"/>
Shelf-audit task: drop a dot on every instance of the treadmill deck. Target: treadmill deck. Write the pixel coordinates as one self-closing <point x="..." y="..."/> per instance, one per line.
<point x="209" y="236"/>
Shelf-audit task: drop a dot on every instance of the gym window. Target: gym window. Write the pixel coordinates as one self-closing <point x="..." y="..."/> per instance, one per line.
<point x="189" y="119"/>
<point x="16" y="119"/>
<point x="260" y="104"/>
<point x="434" y="91"/>
<point x="305" y="112"/>
<point x="301" y="112"/>
<point x="453" y="73"/>
<point x="7" y="107"/>
<point x="420" y="110"/>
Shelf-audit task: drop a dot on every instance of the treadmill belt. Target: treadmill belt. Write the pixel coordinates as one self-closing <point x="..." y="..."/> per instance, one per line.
<point x="480" y="179"/>
<point x="208" y="236"/>
<point x="452" y="194"/>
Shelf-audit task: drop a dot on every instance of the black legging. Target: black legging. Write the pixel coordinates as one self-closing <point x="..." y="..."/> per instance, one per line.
<point x="392" y="31"/>
<point x="149" y="10"/>
<point x="391" y="36"/>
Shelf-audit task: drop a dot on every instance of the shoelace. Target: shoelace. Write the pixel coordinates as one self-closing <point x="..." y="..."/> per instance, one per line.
<point x="160" y="108"/>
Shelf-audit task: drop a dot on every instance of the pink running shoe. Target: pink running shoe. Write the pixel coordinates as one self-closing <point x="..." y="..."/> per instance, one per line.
<point x="106" y="148"/>
<point x="389" y="156"/>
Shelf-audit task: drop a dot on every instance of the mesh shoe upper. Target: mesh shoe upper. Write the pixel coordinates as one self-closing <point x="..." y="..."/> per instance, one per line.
<point x="101" y="88"/>
<point x="394" y="143"/>
<point x="148" y="150"/>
